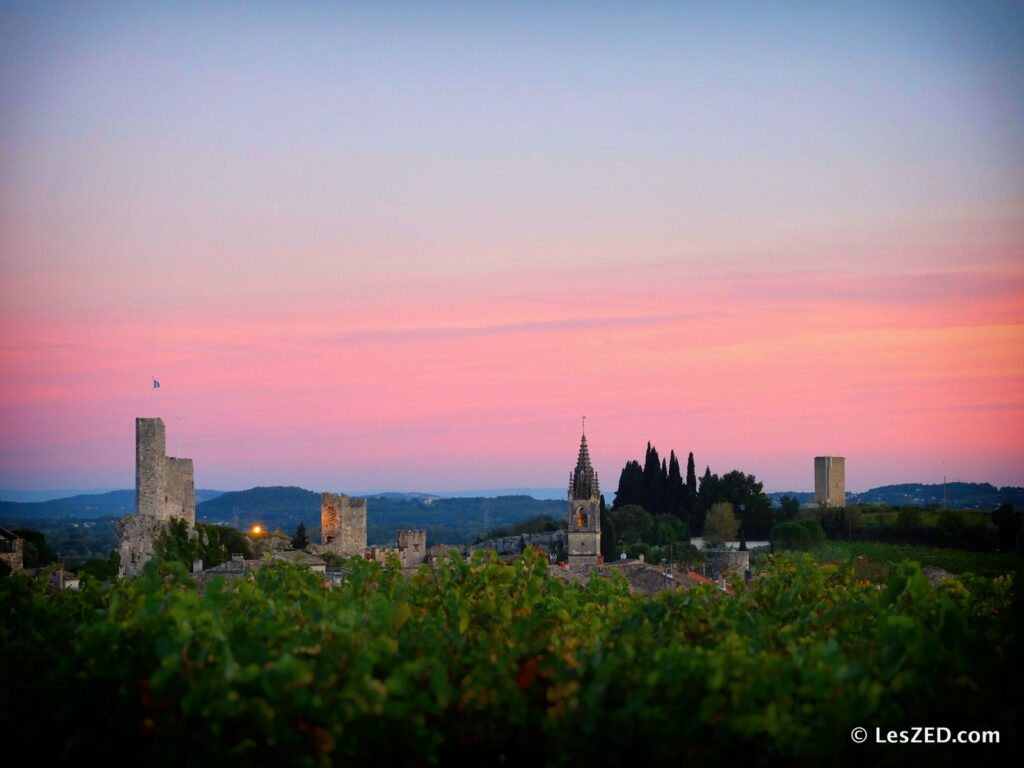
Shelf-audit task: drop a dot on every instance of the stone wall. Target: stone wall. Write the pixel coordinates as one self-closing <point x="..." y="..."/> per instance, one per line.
<point x="15" y="558"/>
<point x="343" y="524"/>
<point x="150" y="467"/>
<point x="164" y="486"/>
<point x="726" y="562"/>
<point x="137" y="535"/>
<point x="552" y="542"/>
<point x="180" y="499"/>
<point x="164" y="490"/>
<point x="412" y="547"/>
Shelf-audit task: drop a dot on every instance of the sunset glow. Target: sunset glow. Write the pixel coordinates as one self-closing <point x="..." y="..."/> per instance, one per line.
<point x="411" y="253"/>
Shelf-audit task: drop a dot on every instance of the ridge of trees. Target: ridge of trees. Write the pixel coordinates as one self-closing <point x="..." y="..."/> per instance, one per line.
<point x="659" y="487"/>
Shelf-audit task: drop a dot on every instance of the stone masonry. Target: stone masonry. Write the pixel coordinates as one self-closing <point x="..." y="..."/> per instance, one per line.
<point x="412" y="547"/>
<point x="343" y="525"/>
<point x="584" y="513"/>
<point x="830" y="481"/>
<point x="12" y="550"/>
<point x="164" y="486"/>
<point x="164" y="491"/>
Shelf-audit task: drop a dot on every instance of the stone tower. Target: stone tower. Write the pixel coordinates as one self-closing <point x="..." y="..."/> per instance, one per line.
<point x="343" y="525"/>
<point x="830" y="481"/>
<point x="164" y="491"/>
<point x="584" y="513"/>
<point x="164" y="486"/>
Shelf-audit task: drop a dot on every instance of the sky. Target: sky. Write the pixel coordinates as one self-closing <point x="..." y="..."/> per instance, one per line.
<point x="407" y="246"/>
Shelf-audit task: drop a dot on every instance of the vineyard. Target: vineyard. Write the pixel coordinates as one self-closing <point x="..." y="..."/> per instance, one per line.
<point x="478" y="662"/>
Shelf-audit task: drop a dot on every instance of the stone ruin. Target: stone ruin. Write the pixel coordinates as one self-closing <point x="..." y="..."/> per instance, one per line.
<point x="342" y="525"/>
<point x="164" y="491"/>
<point x="343" y="533"/>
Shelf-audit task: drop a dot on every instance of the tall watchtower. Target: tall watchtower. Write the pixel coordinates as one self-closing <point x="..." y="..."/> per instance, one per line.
<point x="584" y="512"/>
<point x="830" y="481"/>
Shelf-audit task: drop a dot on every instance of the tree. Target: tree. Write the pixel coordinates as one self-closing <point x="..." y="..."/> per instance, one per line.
<point x="654" y="480"/>
<point x="952" y="522"/>
<point x="747" y="496"/>
<point x="632" y="524"/>
<point x="37" y="552"/>
<point x="1008" y="523"/>
<point x="609" y="542"/>
<point x="706" y="496"/>
<point x="908" y="519"/>
<point x="631" y="485"/>
<point x="721" y="524"/>
<point x="690" y="491"/>
<point x="789" y="508"/>
<point x="175" y="543"/>
<point x="674" y="491"/>
<point x="300" y="540"/>
<point x="103" y="570"/>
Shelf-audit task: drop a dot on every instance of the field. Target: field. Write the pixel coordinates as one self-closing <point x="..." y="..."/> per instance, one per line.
<point x="500" y="663"/>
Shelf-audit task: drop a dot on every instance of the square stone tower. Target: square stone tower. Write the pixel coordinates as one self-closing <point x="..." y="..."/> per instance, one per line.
<point x="584" y="513"/>
<point x="164" y="486"/>
<point x="343" y="524"/>
<point x="830" y="481"/>
<point x="412" y="546"/>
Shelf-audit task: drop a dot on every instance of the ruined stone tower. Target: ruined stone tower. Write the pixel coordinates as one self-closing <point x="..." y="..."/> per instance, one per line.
<point x="584" y="513"/>
<point x="343" y="524"/>
<point x="164" y="491"/>
<point x="830" y="481"/>
<point x="164" y="486"/>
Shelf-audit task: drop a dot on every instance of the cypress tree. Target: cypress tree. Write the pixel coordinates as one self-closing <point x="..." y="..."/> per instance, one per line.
<point x="300" y="540"/>
<point x="652" y="480"/>
<point x="631" y="484"/>
<point x="690" y="497"/>
<point x="675" y="491"/>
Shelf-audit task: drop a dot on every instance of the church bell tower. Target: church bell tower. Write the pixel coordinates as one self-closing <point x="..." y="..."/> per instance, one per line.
<point x="584" y="513"/>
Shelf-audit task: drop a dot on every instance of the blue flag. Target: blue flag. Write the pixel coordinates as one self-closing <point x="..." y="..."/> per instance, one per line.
<point x="156" y="384"/>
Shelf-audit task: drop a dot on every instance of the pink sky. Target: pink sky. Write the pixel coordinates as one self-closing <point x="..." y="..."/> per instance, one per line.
<point x="417" y="275"/>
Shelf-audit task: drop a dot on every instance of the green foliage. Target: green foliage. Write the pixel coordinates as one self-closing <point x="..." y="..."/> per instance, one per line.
<point x="789" y="508"/>
<point x="952" y="522"/>
<point x="721" y="524"/>
<point x="909" y="518"/>
<point x="536" y="524"/>
<point x="839" y="522"/>
<point x="801" y="535"/>
<point x="37" y="552"/>
<point x="103" y="570"/>
<point x="952" y="560"/>
<point x="300" y="540"/>
<point x="635" y="525"/>
<point x="657" y="487"/>
<point x="500" y="663"/>
<point x="213" y="544"/>
<point x="1008" y="523"/>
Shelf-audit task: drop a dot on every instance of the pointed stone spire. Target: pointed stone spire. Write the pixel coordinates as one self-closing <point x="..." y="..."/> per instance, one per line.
<point x="584" y="479"/>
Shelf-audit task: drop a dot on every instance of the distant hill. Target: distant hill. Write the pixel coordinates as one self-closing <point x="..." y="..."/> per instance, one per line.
<point x="84" y="506"/>
<point x="6" y="494"/>
<point x="801" y="496"/>
<point x="958" y="495"/>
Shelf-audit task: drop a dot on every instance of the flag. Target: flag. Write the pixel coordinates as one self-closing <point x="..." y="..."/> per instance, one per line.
<point x="156" y="384"/>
